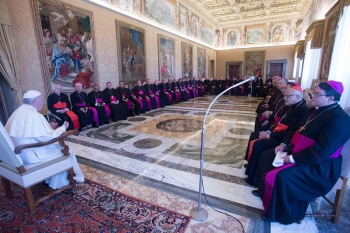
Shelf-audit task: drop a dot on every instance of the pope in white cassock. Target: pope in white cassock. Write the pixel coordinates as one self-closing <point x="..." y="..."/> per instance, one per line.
<point x="26" y="125"/>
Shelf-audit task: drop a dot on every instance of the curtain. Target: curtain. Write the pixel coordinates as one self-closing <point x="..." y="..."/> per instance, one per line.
<point x="339" y="70"/>
<point x="312" y="62"/>
<point x="296" y="63"/>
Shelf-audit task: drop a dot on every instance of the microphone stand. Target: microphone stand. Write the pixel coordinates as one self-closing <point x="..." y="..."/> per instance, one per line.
<point x="198" y="213"/>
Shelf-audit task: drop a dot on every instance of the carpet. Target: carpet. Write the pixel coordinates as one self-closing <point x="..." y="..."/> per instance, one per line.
<point x="88" y="207"/>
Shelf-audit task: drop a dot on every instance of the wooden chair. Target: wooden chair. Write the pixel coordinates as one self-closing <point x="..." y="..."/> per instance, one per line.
<point x="340" y="186"/>
<point x="27" y="175"/>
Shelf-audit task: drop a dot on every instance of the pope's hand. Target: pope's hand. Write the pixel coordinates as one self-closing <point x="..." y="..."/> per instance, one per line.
<point x="53" y="125"/>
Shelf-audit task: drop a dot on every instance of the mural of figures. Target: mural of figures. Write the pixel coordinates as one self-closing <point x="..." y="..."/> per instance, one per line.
<point x="131" y="41"/>
<point x="194" y="27"/>
<point x="161" y="11"/>
<point x="184" y="20"/>
<point x="166" y="48"/>
<point x="255" y="35"/>
<point x="134" y="6"/>
<point x="201" y="62"/>
<point x="63" y="34"/>
<point x="186" y="58"/>
<point x="278" y="33"/>
<point x="207" y="35"/>
<point x="232" y="38"/>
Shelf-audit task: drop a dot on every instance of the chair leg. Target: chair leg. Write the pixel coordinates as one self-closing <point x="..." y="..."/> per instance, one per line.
<point x="7" y="188"/>
<point x="30" y="200"/>
<point x="339" y="196"/>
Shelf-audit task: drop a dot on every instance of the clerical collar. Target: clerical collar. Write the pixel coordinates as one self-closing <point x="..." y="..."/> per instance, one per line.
<point x="297" y="104"/>
<point x="326" y="107"/>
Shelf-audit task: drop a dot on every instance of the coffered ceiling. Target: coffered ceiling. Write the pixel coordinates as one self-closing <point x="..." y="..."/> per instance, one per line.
<point x="228" y="13"/>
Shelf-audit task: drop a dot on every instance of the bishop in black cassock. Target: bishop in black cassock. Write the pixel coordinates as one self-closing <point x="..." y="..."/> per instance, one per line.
<point x="313" y="162"/>
<point x="97" y="100"/>
<point x="118" y="109"/>
<point x="80" y="102"/>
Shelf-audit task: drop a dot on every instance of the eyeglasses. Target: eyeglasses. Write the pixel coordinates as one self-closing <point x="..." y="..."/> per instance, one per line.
<point x="287" y="96"/>
<point x="317" y="94"/>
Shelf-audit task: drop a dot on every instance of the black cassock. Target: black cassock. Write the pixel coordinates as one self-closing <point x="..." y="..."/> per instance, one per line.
<point x="96" y="99"/>
<point x="126" y="96"/>
<point x="119" y="110"/>
<point x="148" y="88"/>
<point x="162" y="98"/>
<point x="314" y="172"/>
<point x="291" y="119"/>
<point x="53" y="99"/>
<point x="79" y="100"/>
<point x="163" y="89"/>
<point x="139" y="91"/>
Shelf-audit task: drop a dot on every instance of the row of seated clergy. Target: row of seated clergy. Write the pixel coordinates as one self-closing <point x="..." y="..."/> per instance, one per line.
<point x="313" y="162"/>
<point x="272" y="113"/>
<point x="26" y="126"/>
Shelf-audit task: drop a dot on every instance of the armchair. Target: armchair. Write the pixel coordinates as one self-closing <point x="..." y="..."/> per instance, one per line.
<point x="27" y="175"/>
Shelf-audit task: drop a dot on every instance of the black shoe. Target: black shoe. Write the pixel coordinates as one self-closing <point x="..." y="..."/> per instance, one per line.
<point x="265" y="218"/>
<point x="94" y="126"/>
<point x="106" y="122"/>
<point x="80" y="129"/>
<point x="255" y="192"/>
<point x="245" y="165"/>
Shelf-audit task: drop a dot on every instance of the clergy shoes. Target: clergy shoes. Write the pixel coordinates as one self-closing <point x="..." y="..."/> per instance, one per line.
<point x="94" y="125"/>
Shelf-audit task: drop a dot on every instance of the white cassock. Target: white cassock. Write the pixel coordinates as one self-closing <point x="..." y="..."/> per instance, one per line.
<point x="25" y="126"/>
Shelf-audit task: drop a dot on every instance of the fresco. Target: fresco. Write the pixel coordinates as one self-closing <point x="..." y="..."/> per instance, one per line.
<point x="161" y="11"/>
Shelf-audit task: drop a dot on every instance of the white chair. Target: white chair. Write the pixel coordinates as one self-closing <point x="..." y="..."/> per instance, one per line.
<point x="339" y="188"/>
<point x="27" y="175"/>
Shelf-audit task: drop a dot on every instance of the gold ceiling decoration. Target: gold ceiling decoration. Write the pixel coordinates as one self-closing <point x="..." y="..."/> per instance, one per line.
<point x="228" y="13"/>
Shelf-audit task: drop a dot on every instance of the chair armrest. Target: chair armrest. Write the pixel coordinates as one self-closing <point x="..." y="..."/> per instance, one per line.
<point x="59" y="139"/>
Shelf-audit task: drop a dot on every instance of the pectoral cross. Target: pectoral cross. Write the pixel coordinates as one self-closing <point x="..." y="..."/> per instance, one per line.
<point x="302" y="128"/>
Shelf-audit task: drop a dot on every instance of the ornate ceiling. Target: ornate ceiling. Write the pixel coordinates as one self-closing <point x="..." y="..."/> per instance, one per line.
<point x="228" y="13"/>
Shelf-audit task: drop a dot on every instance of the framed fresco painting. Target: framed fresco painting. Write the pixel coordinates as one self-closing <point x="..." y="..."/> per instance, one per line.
<point x="161" y="11"/>
<point x="131" y="53"/>
<point x="255" y="35"/>
<point x="186" y="59"/>
<point x="166" y="57"/>
<point x="201" y="56"/>
<point x="65" y="36"/>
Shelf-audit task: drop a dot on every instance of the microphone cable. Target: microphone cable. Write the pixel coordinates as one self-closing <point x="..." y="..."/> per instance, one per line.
<point x="205" y="196"/>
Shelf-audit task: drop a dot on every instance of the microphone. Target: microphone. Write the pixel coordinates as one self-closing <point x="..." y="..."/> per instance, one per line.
<point x="49" y="113"/>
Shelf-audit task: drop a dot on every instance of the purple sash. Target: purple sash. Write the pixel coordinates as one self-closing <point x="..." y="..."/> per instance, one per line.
<point x="140" y="92"/>
<point x="108" y="111"/>
<point x="149" y="103"/>
<point x="99" y="100"/>
<point x="140" y="102"/>
<point x="300" y="142"/>
<point x="178" y="96"/>
<point x="129" y="105"/>
<point x="81" y="105"/>
<point x="170" y="97"/>
<point x="188" y="93"/>
<point x="150" y="92"/>
<point x="113" y="98"/>
<point x="157" y="100"/>
<point x="94" y="111"/>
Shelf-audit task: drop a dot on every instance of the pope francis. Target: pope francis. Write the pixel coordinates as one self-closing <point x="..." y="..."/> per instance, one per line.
<point x="26" y="125"/>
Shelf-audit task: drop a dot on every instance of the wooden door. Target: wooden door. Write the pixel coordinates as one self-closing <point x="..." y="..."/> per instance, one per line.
<point x="234" y="71"/>
<point x="276" y="69"/>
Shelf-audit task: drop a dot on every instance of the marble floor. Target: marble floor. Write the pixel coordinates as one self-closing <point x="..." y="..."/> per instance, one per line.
<point x="155" y="157"/>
